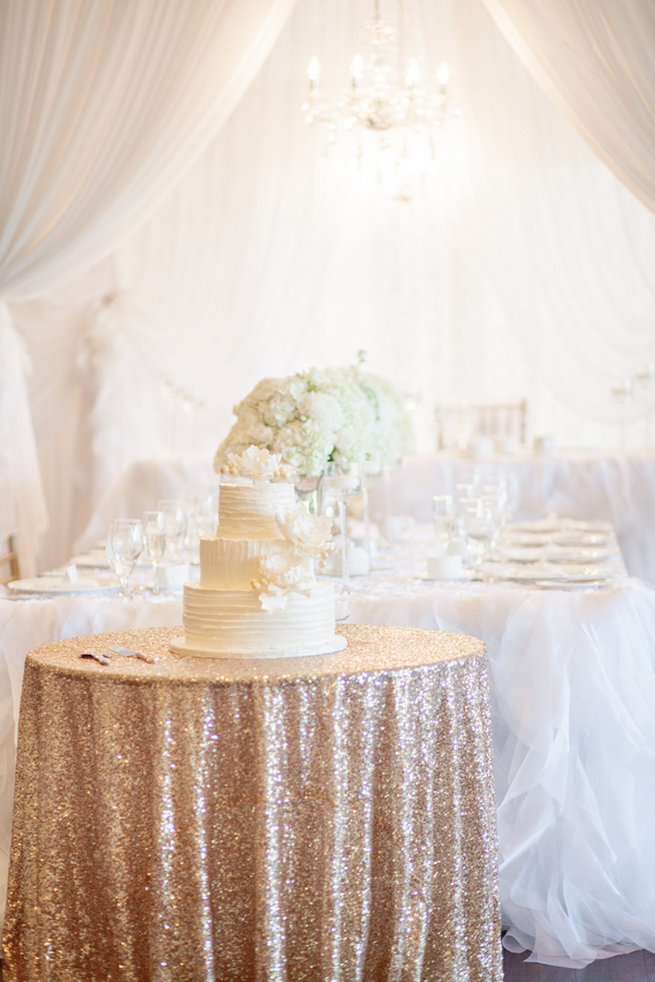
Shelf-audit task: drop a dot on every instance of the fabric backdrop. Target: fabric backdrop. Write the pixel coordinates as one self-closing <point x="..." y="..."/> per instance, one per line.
<point x="595" y="59"/>
<point x="102" y="107"/>
<point x="519" y="266"/>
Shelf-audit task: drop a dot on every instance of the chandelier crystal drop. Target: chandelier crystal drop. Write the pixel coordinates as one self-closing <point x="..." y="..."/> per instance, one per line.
<point x="386" y="106"/>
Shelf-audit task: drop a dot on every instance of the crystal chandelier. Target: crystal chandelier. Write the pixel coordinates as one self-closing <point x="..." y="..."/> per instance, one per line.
<point x="386" y="107"/>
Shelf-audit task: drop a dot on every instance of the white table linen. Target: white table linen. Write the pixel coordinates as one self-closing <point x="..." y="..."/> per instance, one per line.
<point x="573" y="686"/>
<point x="573" y="690"/>
<point x="595" y="484"/>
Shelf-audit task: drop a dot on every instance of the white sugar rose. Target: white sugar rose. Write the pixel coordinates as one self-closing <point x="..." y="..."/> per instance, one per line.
<point x="310" y="534"/>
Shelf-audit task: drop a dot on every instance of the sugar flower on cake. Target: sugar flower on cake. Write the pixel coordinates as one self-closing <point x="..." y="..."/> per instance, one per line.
<point x="255" y="465"/>
<point x="278" y="575"/>
<point x="310" y="535"/>
<point x="318" y="416"/>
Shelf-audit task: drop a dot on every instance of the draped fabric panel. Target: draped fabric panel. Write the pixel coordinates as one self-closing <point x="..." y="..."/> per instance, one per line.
<point x="103" y="106"/>
<point x="520" y="267"/>
<point x="596" y="59"/>
<point x="22" y="497"/>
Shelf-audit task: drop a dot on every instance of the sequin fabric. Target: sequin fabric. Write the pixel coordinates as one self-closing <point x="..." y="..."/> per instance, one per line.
<point x="296" y="820"/>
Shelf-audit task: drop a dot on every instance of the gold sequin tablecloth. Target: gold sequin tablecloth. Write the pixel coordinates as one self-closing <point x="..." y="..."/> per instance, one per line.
<point x="327" y="818"/>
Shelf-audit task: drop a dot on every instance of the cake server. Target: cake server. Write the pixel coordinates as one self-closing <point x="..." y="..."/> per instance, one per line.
<point x="131" y="653"/>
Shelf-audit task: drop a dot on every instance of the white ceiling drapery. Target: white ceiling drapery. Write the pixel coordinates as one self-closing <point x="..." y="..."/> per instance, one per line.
<point x="103" y="107"/>
<point x="596" y="59"/>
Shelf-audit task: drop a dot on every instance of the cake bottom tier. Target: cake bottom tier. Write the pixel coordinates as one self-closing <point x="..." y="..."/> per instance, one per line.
<point x="233" y="623"/>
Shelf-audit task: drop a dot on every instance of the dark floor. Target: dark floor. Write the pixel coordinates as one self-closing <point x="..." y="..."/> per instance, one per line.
<point x="636" y="967"/>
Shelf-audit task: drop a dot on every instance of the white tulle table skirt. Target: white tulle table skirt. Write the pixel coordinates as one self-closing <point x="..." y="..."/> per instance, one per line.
<point x="573" y="697"/>
<point x="573" y="691"/>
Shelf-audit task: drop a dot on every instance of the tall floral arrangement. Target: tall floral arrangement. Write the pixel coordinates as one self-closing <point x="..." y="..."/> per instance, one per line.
<point x="320" y="415"/>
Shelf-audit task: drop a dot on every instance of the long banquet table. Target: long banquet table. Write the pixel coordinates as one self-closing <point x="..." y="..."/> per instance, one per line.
<point x="572" y="689"/>
<point x="584" y="484"/>
<point x="296" y="818"/>
<point x="596" y="483"/>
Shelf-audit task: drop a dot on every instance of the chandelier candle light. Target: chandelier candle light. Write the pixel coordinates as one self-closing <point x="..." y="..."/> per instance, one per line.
<point x="393" y="117"/>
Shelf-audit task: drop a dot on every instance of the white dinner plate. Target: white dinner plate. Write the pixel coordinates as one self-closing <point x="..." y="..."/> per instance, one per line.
<point x="569" y="584"/>
<point x="563" y="537"/>
<point x="98" y="560"/>
<point x="555" y="554"/>
<point x="56" y="585"/>
<point x="551" y="574"/>
<point x="443" y="579"/>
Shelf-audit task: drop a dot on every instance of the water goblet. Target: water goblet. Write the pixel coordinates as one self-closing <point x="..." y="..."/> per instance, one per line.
<point x="123" y="545"/>
<point x="343" y="481"/>
<point x="154" y="542"/>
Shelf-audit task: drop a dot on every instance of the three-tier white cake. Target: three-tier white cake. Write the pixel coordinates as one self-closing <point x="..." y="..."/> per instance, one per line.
<point x="258" y="596"/>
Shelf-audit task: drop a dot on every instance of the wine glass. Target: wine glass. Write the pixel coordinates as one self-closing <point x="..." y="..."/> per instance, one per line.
<point x="154" y="541"/>
<point x="343" y="480"/>
<point x="175" y="520"/>
<point x="123" y="545"/>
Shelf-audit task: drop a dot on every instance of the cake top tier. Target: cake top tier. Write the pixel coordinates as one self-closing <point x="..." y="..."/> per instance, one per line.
<point x="255" y="487"/>
<point x="248" y="511"/>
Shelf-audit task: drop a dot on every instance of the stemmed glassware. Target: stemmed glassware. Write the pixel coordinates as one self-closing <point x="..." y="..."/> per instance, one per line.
<point x="343" y="481"/>
<point x="175" y="520"/>
<point x="154" y="542"/>
<point x="443" y="519"/>
<point x="123" y="545"/>
<point x="371" y="470"/>
<point x="480" y="528"/>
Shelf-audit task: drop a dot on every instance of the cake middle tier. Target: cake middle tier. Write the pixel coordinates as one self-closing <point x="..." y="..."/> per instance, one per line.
<point x="232" y="564"/>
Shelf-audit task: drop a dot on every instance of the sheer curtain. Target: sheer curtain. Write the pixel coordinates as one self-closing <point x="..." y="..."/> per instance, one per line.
<point x="102" y="108"/>
<point x="567" y="247"/>
<point x="596" y="59"/>
<point x="520" y="267"/>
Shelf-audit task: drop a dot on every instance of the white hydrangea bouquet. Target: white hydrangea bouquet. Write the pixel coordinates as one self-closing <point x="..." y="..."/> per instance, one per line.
<point x="318" y="416"/>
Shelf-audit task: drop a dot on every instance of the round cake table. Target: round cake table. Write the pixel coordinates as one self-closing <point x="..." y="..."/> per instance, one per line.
<point x="299" y="819"/>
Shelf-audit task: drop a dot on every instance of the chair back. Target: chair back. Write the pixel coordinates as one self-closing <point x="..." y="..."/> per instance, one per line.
<point x="458" y="425"/>
<point x="9" y="566"/>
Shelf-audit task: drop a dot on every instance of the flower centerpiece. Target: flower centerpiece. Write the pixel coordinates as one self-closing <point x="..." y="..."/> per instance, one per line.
<point x="318" y="416"/>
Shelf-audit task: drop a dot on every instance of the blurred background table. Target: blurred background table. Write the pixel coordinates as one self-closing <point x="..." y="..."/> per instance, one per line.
<point x="200" y="818"/>
<point x="586" y="484"/>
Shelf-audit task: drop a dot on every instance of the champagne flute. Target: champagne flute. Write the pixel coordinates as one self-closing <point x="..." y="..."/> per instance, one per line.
<point x="443" y="518"/>
<point x="123" y="545"/>
<point x="371" y="469"/>
<point x="343" y="480"/>
<point x="479" y="526"/>
<point x="154" y="542"/>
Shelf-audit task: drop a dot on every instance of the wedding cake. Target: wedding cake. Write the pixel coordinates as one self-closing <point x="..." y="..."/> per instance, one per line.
<point x="258" y="595"/>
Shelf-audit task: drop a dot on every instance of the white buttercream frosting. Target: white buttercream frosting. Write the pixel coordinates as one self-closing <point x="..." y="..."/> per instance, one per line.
<point x="257" y="593"/>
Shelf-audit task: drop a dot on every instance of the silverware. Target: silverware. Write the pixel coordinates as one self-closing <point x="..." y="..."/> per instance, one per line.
<point x="98" y="656"/>
<point x="131" y="653"/>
